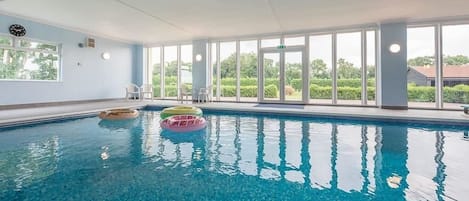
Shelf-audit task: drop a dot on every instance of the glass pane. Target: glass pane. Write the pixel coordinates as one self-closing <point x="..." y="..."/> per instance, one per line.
<point x="294" y="41"/>
<point x="170" y="72"/>
<point x="271" y="65"/>
<point x="248" y="68"/>
<point x="5" y="40"/>
<point x="155" y="70"/>
<point x="37" y="45"/>
<point x="186" y="67"/>
<point x="228" y="71"/>
<point x="293" y="76"/>
<point x="214" y="69"/>
<point x="421" y="64"/>
<point x="28" y="65"/>
<point x="349" y="63"/>
<point x="455" y="66"/>
<point x="371" y="67"/>
<point x="320" y="55"/>
<point x="274" y="42"/>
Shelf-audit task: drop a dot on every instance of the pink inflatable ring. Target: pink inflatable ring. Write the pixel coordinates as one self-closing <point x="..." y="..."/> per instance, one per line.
<point x="183" y="123"/>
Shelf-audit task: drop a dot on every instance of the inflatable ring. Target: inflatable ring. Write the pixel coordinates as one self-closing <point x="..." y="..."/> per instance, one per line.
<point x="118" y="114"/>
<point x="167" y="112"/>
<point x="183" y="123"/>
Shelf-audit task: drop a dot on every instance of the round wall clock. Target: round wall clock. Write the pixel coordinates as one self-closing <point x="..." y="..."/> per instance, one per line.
<point x="17" y="30"/>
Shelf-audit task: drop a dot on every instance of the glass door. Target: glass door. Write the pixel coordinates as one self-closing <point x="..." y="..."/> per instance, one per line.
<point x="270" y="83"/>
<point x="281" y="76"/>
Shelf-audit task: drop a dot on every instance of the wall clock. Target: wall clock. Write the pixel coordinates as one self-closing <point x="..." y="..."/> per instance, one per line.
<point x="17" y="30"/>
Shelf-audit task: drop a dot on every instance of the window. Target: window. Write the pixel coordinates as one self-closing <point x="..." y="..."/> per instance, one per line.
<point x="320" y="73"/>
<point x="248" y="70"/>
<point x="228" y="71"/>
<point x="170" y="72"/>
<point x="455" y="73"/>
<point x="421" y="67"/>
<point x="349" y="73"/>
<point x="24" y="59"/>
<point x="186" y="67"/>
<point x="155" y="70"/>
<point x="371" y="67"/>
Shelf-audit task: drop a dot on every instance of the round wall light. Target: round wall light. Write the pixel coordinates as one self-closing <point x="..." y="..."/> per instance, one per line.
<point x="394" y="48"/>
<point x="106" y="55"/>
<point x="198" y="57"/>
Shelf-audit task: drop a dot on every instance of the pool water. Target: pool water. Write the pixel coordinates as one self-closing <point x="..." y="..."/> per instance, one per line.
<point x="237" y="157"/>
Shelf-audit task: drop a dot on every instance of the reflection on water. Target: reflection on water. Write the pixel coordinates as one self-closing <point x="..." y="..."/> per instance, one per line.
<point x="241" y="157"/>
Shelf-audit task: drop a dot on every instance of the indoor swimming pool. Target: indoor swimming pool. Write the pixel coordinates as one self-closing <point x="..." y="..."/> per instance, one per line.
<point x="236" y="157"/>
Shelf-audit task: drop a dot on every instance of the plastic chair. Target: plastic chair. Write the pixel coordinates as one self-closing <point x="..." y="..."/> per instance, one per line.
<point x="204" y="93"/>
<point x="146" y="89"/>
<point x="184" y="91"/>
<point x="132" y="91"/>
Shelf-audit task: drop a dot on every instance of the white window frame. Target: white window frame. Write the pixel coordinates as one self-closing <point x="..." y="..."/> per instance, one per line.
<point x="15" y="47"/>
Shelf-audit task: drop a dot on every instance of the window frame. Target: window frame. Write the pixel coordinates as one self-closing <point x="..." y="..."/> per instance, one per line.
<point x="16" y="47"/>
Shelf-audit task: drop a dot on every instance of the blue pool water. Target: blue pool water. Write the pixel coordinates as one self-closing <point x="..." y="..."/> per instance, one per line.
<point x="237" y="157"/>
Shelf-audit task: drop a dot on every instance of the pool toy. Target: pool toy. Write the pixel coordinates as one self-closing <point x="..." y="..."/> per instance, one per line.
<point x="118" y="114"/>
<point x="178" y="110"/>
<point x="183" y="123"/>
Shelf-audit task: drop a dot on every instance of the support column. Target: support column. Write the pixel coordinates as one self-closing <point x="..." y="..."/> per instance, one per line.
<point x="392" y="67"/>
<point x="199" y="68"/>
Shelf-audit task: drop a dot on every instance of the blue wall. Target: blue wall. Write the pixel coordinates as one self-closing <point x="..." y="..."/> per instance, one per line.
<point x="199" y="68"/>
<point x="95" y="78"/>
<point x="393" y="66"/>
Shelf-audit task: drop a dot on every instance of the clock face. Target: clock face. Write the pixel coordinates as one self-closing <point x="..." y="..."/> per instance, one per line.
<point x="17" y="30"/>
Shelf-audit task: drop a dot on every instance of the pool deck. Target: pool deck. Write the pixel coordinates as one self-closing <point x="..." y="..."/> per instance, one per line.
<point x="27" y="115"/>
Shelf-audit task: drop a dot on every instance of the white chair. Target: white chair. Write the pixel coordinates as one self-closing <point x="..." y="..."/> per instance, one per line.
<point x="205" y="94"/>
<point x="132" y="91"/>
<point x="184" y="91"/>
<point x="146" y="89"/>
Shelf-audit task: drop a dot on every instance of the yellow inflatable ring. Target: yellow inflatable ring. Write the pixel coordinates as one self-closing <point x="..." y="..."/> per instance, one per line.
<point x="118" y="114"/>
<point x="167" y="112"/>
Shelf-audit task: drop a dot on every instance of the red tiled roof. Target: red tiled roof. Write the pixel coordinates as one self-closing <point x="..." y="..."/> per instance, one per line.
<point x="448" y="71"/>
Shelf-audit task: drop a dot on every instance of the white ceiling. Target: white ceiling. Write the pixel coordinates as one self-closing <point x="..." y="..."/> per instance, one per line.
<point x="159" y="21"/>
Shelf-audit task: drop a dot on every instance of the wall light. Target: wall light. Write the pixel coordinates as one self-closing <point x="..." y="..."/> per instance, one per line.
<point x="394" y="48"/>
<point x="198" y="57"/>
<point x="106" y="55"/>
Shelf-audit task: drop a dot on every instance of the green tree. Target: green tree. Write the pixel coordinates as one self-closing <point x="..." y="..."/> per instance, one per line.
<point x="455" y="60"/>
<point x="171" y="68"/>
<point x="248" y="65"/>
<point x="421" y="61"/>
<point x="346" y="70"/>
<point x="371" y="71"/>
<point x="319" y="69"/>
<point x="228" y="67"/>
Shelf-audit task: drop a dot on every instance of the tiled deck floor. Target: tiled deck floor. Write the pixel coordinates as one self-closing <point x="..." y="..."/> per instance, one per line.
<point x="24" y="115"/>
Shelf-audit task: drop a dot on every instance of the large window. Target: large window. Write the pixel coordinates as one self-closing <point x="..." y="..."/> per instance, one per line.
<point x="228" y="71"/>
<point x="455" y="72"/>
<point x="320" y="55"/>
<point x="171" y="72"/>
<point x="421" y="72"/>
<point x="349" y="73"/>
<point x="371" y="67"/>
<point x="24" y="59"/>
<point x="186" y="67"/>
<point x="155" y="70"/>
<point x="248" y="70"/>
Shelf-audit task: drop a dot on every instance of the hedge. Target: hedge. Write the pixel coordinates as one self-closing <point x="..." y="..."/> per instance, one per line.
<point x="343" y="93"/>
<point x="348" y="89"/>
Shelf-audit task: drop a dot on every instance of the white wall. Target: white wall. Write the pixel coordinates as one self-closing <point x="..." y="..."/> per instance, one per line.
<point x="95" y="78"/>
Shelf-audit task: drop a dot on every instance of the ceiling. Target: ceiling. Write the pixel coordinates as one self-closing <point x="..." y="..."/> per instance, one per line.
<point x="159" y="21"/>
